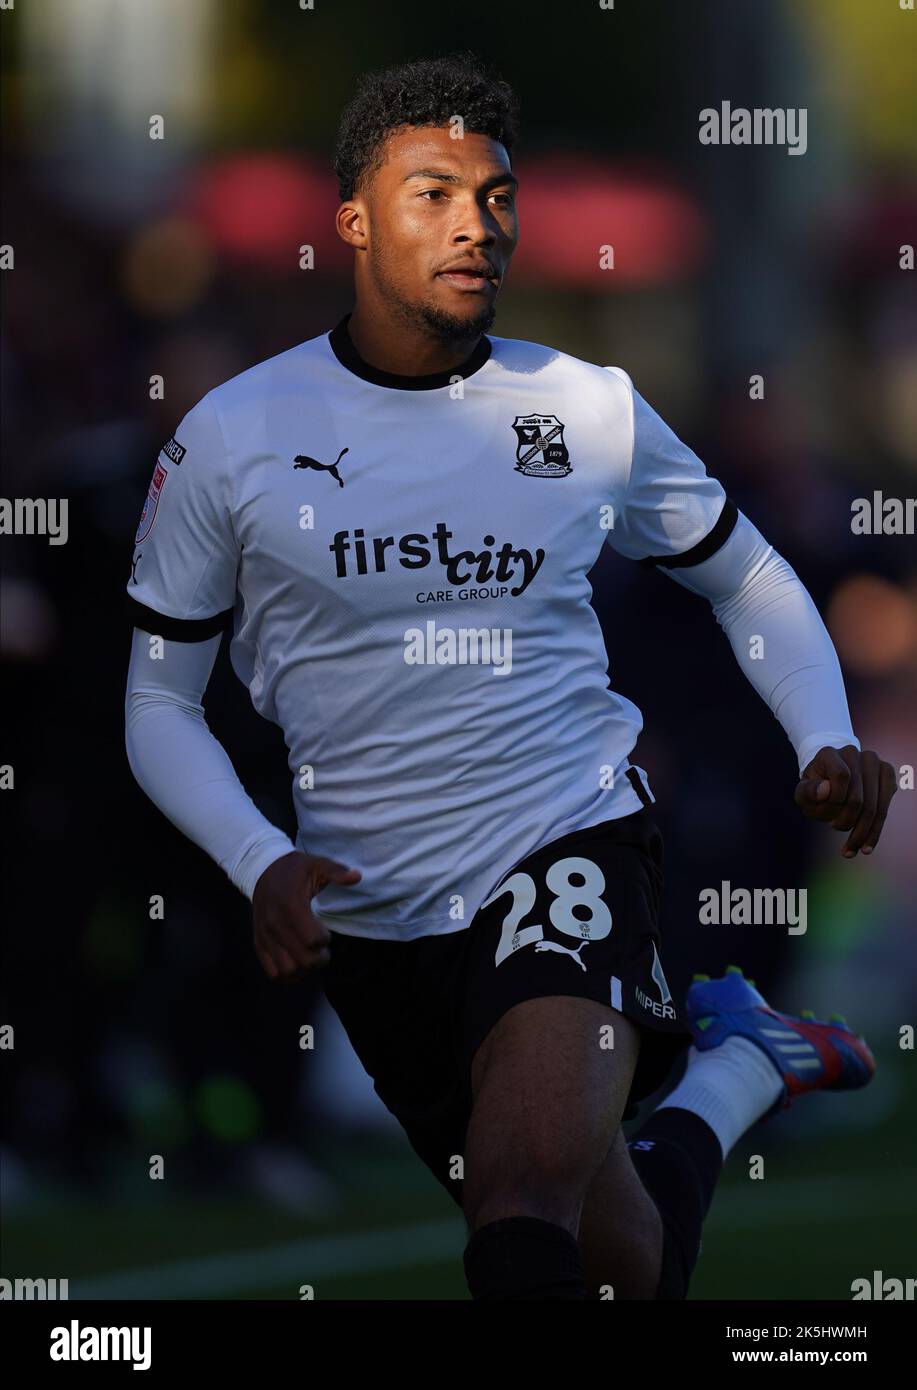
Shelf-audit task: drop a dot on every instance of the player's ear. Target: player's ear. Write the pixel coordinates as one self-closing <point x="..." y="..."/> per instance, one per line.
<point x="351" y="223"/>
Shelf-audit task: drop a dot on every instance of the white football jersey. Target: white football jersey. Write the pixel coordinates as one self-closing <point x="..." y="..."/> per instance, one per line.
<point x="402" y="562"/>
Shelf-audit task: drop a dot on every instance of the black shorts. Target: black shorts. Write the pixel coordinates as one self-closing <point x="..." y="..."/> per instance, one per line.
<point x="417" y="1011"/>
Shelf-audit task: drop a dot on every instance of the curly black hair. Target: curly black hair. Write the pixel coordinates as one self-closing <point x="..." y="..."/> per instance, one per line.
<point x="427" y="92"/>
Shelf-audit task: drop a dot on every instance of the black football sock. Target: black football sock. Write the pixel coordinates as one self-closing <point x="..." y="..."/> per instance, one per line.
<point x="679" y="1159"/>
<point x="523" y="1257"/>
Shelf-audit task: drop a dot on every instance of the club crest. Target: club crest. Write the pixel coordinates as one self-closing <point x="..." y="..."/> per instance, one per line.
<point x="541" y="451"/>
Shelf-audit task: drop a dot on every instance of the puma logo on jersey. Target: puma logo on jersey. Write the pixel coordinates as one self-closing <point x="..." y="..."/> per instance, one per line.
<point x="304" y="461"/>
<point x="556" y="946"/>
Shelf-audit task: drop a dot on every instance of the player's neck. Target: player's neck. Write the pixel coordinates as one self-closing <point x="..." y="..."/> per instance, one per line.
<point x="396" y="348"/>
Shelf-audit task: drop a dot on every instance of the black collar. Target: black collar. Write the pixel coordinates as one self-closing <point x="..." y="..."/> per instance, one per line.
<point x="347" y="355"/>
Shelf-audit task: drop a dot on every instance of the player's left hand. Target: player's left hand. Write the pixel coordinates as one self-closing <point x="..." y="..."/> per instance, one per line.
<point x="850" y="791"/>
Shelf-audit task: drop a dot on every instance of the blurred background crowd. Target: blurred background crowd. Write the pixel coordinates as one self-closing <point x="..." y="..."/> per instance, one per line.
<point x="179" y="258"/>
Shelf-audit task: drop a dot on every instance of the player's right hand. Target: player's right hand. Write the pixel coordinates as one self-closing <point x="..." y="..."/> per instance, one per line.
<point x="289" y="938"/>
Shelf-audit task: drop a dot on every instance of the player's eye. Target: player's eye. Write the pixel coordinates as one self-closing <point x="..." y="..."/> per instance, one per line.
<point x="507" y="199"/>
<point x="436" y="191"/>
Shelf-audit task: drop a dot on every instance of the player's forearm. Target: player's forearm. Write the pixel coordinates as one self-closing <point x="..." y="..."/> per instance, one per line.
<point x="778" y="638"/>
<point x="785" y="651"/>
<point x="185" y="770"/>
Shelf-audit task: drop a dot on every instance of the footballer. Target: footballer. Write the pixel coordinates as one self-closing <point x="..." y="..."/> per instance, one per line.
<point x="394" y="521"/>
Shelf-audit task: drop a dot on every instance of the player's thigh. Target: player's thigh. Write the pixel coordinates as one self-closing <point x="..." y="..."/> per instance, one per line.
<point x="547" y="1097"/>
<point x="397" y="1004"/>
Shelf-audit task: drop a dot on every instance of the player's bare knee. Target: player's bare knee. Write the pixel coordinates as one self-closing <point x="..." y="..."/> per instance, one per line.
<point x="552" y="1191"/>
<point x="501" y="1201"/>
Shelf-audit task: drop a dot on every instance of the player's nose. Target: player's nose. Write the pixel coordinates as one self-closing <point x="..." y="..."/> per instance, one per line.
<point x="475" y="224"/>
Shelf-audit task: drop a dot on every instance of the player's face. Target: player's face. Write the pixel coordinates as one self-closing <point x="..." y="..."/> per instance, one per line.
<point x="440" y="223"/>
